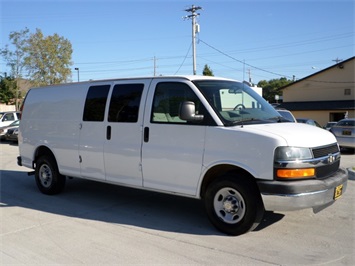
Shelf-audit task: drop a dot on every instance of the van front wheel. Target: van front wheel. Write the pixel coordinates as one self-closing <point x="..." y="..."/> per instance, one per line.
<point x="48" y="179"/>
<point x="234" y="205"/>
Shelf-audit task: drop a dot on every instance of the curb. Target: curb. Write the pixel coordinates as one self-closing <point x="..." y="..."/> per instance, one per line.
<point x="351" y="173"/>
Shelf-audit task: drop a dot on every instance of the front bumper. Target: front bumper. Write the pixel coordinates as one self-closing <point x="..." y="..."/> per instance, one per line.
<point x="301" y="194"/>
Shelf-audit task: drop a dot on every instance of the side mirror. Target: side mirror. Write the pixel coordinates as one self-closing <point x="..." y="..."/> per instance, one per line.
<point x="187" y="112"/>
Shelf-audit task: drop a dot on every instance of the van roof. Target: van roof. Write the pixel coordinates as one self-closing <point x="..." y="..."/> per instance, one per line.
<point x="187" y="77"/>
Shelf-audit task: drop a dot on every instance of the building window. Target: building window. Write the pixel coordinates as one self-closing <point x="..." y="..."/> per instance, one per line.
<point x="347" y="92"/>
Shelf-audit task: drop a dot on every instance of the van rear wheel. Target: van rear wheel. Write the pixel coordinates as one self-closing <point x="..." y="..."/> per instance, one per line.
<point x="234" y="205"/>
<point x="48" y="179"/>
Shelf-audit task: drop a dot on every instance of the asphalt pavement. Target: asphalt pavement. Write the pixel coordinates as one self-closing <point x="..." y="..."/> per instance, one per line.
<point x="92" y="223"/>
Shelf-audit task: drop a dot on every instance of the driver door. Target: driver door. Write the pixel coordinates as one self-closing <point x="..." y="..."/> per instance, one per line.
<point x="172" y="150"/>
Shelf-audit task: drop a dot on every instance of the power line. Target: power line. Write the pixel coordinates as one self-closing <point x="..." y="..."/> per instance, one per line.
<point x="183" y="61"/>
<point x="240" y="61"/>
<point x="296" y="43"/>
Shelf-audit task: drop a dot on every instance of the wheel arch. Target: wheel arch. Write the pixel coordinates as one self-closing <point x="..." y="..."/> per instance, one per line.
<point x="42" y="150"/>
<point x="217" y="171"/>
<point x="48" y="178"/>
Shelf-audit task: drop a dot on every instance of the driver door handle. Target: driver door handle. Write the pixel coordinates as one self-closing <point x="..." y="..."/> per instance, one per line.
<point x="146" y="134"/>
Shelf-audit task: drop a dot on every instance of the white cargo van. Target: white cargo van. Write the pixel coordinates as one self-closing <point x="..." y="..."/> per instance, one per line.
<point x="202" y="137"/>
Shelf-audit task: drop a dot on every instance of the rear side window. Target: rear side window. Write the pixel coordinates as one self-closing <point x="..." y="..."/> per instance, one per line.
<point x="125" y="101"/>
<point x="95" y="103"/>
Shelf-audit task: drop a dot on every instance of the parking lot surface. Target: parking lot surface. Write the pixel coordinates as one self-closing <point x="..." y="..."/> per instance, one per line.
<point x="100" y="224"/>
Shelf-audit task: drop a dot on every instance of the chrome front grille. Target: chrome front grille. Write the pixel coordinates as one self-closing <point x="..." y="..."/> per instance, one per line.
<point x="325" y="151"/>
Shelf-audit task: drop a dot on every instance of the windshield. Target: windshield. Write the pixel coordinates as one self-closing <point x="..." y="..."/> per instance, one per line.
<point x="237" y="103"/>
<point x="287" y="115"/>
<point x="16" y="123"/>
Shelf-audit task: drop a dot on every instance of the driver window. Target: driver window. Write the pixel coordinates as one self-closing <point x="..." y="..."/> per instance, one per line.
<point x="167" y="99"/>
<point x="9" y="117"/>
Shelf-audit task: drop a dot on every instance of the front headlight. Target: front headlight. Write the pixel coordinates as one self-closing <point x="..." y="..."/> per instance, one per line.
<point x="292" y="154"/>
<point x="289" y="163"/>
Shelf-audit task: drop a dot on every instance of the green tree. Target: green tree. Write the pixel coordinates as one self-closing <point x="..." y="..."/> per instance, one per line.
<point x="272" y="88"/>
<point x="15" y="60"/>
<point x="48" y="59"/>
<point x="8" y="89"/>
<point x="207" y="71"/>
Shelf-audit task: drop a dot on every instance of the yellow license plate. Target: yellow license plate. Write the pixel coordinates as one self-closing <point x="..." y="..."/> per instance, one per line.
<point x="338" y="192"/>
<point x="346" y="133"/>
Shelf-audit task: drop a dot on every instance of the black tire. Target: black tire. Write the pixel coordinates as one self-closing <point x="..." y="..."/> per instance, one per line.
<point x="48" y="179"/>
<point x="234" y="205"/>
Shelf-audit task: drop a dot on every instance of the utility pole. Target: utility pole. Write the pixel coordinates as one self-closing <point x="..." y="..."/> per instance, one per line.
<point x="77" y="69"/>
<point x="195" y="29"/>
<point x="249" y="73"/>
<point x="155" y="66"/>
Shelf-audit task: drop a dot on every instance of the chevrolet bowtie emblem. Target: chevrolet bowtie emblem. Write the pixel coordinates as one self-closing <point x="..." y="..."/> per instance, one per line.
<point x="331" y="158"/>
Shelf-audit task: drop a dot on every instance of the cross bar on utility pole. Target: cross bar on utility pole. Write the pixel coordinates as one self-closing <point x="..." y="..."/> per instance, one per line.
<point x="337" y="60"/>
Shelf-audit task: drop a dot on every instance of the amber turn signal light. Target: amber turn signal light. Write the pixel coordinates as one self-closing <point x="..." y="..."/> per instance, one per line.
<point x="295" y="173"/>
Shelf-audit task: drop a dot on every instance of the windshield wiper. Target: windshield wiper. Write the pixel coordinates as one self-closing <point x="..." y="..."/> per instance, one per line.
<point x="245" y="121"/>
<point x="248" y="121"/>
<point x="279" y="119"/>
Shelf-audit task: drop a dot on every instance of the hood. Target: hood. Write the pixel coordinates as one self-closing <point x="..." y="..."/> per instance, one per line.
<point x="296" y="134"/>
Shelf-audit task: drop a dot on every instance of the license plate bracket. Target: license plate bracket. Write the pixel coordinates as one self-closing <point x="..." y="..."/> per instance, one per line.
<point x="338" y="191"/>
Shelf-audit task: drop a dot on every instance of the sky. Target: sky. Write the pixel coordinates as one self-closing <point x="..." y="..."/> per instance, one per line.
<point x="239" y="39"/>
